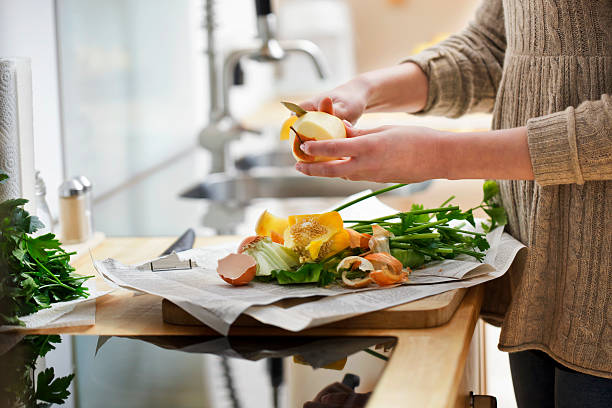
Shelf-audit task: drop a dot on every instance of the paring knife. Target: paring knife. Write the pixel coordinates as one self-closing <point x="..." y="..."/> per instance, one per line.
<point x="183" y="243"/>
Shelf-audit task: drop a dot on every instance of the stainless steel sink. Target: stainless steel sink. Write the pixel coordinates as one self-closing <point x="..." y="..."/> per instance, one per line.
<point x="280" y="183"/>
<point x="273" y="158"/>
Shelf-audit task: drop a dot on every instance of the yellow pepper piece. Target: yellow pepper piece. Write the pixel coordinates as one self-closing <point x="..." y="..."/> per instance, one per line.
<point x="336" y="365"/>
<point x="286" y="128"/>
<point x="338" y="242"/>
<point x="316" y="236"/>
<point x="269" y="225"/>
<point x="314" y="247"/>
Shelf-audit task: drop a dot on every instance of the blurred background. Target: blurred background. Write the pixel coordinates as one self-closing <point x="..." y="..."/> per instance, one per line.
<point x="123" y="94"/>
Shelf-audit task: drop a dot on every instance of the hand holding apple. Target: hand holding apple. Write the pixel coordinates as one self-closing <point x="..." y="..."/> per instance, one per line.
<point x="312" y="126"/>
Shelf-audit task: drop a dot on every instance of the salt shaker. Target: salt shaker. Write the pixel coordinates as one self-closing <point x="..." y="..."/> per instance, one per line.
<point x="75" y="217"/>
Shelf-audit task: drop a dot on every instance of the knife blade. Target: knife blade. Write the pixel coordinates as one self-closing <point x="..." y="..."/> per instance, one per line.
<point x="183" y="243"/>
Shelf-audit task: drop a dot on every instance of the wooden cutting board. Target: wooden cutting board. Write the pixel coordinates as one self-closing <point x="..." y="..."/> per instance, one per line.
<point x="431" y="311"/>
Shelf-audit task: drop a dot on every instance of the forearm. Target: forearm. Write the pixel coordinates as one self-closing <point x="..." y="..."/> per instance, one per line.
<point x="499" y="154"/>
<point x="400" y="88"/>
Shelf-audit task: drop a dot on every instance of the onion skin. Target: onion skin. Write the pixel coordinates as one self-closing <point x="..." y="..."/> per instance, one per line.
<point x="384" y="260"/>
<point x="357" y="239"/>
<point x="383" y="277"/>
<point x="230" y="266"/>
<point x="388" y="269"/>
<point x="351" y="263"/>
<point x="355" y="284"/>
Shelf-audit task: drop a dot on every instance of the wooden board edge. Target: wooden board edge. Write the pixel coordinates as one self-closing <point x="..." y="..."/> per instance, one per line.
<point x="387" y="319"/>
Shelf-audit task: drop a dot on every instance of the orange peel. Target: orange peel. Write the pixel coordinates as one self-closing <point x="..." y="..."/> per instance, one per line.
<point x="269" y="225"/>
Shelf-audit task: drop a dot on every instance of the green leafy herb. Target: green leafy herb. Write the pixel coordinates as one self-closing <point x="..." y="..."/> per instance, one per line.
<point x="307" y="273"/>
<point x="18" y="388"/>
<point x="51" y="389"/>
<point x="422" y="235"/>
<point x="34" y="271"/>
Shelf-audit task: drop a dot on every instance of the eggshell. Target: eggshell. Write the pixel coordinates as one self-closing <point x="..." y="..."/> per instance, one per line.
<point x="237" y="269"/>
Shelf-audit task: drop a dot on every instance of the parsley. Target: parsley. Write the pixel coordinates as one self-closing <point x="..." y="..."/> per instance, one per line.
<point x="422" y="235"/>
<point x="17" y="389"/>
<point x="50" y="389"/>
<point x="34" y="271"/>
<point x="419" y="236"/>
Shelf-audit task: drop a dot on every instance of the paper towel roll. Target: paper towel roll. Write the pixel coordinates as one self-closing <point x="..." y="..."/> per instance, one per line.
<point x="16" y="134"/>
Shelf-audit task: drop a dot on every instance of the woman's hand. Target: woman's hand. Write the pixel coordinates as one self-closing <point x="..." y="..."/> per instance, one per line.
<point x="348" y="101"/>
<point x="384" y="154"/>
<point x="406" y="154"/>
<point x="401" y="88"/>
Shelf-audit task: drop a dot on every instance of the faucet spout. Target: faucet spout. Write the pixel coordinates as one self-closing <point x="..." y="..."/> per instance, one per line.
<point x="309" y="49"/>
<point x="222" y="127"/>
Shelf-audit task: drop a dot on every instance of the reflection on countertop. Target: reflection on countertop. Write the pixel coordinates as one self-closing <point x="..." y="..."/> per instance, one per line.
<point x="245" y="372"/>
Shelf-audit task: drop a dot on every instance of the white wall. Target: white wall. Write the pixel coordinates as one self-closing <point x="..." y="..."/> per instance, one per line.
<point x="27" y="29"/>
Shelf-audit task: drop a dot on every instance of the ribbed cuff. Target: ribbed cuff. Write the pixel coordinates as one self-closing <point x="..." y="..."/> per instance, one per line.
<point x="553" y="149"/>
<point x="443" y="91"/>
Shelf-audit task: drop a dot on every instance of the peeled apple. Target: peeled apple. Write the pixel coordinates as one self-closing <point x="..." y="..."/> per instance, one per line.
<point x="312" y="126"/>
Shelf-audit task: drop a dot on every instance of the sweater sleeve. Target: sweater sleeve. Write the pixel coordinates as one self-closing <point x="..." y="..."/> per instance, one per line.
<point x="465" y="70"/>
<point x="574" y="145"/>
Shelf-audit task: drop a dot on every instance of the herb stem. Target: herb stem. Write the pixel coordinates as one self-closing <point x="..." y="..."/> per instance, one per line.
<point x="61" y="255"/>
<point x="375" y="193"/>
<point x="412" y="237"/>
<point x="425" y="226"/>
<point x="480" y="234"/>
<point x="451" y="198"/>
<point x="376" y="354"/>
<point x="53" y="275"/>
<point x="399" y="215"/>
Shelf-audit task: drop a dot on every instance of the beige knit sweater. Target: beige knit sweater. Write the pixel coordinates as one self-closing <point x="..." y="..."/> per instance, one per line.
<point x="546" y="64"/>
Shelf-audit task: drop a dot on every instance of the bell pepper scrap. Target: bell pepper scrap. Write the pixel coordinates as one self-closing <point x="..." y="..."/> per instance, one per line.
<point x="316" y="236"/>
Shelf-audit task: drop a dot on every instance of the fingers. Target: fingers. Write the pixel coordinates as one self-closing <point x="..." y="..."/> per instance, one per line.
<point x="308" y="105"/>
<point x="335" y="147"/>
<point x="326" y="105"/>
<point x="334" y="168"/>
<point x="354" y="132"/>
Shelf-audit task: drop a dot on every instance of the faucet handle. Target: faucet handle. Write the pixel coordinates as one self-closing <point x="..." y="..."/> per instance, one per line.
<point x="263" y="7"/>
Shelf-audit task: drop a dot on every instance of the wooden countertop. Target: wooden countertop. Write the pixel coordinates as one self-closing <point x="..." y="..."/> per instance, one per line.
<point x="426" y="366"/>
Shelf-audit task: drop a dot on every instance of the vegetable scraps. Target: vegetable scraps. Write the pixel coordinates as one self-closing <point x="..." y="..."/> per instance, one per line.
<point x="34" y="271"/>
<point x="323" y="248"/>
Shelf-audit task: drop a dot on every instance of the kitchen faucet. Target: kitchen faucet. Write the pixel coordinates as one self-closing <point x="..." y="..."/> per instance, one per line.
<point x="222" y="127"/>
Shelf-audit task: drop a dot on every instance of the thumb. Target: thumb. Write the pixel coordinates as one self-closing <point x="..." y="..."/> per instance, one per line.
<point x="351" y="131"/>
<point x="326" y="105"/>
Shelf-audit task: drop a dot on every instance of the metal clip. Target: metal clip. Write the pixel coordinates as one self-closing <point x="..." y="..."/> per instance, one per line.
<point x="170" y="263"/>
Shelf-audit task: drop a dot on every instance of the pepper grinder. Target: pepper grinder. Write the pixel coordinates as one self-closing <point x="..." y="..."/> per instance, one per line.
<point x="87" y="187"/>
<point x="75" y="216"/>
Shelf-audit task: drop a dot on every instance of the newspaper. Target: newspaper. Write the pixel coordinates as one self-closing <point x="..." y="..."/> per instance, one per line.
<point x="198" y="289"/>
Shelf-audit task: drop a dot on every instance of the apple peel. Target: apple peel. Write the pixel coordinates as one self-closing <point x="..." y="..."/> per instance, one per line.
<point x="237" y="269"/>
